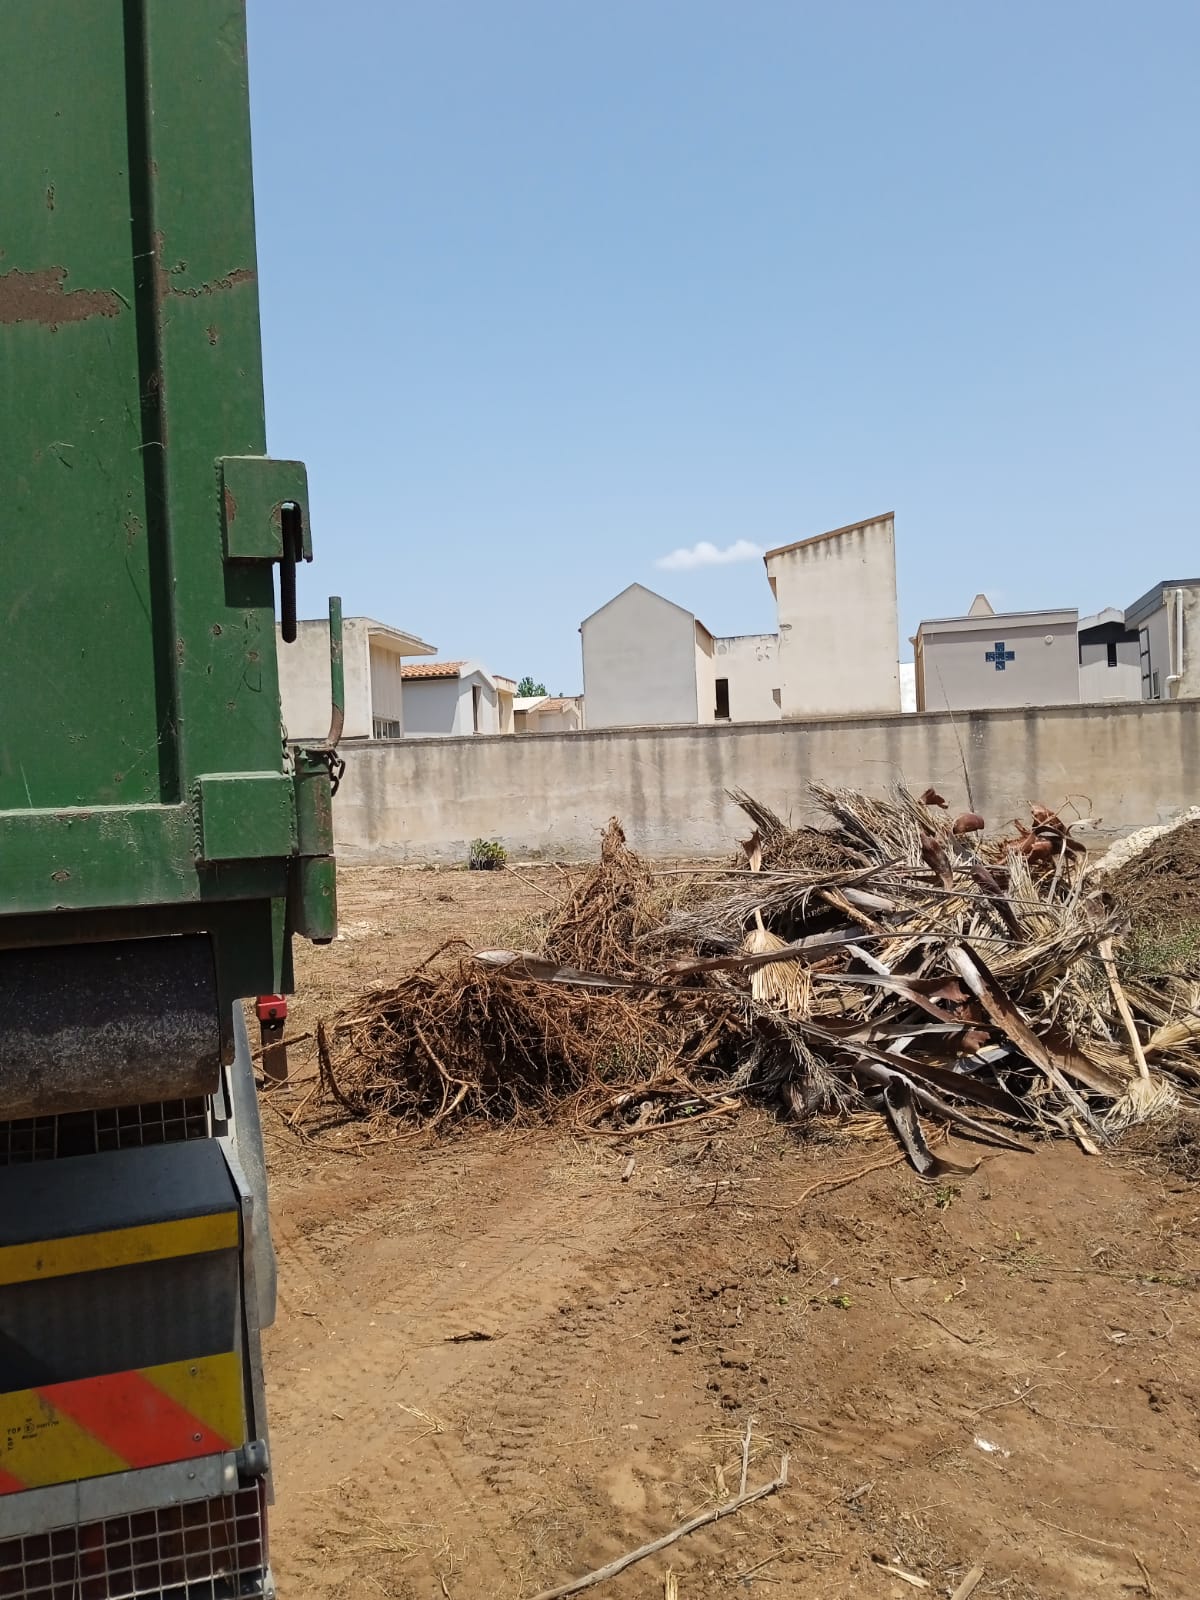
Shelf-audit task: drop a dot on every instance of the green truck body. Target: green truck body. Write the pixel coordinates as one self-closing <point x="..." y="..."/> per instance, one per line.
<point x="159" y="843"/>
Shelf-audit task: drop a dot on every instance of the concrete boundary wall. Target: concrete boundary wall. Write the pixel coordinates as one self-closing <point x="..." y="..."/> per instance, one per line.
<point x="548" y="795"/>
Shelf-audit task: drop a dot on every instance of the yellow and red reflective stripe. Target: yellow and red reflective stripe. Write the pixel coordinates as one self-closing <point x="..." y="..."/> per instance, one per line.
<point x="145" y="1418"/>
<point x="135" y="1419"/>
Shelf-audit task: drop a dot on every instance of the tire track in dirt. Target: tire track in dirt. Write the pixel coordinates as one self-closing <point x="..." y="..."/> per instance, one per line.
<point x="399" y="1301"/>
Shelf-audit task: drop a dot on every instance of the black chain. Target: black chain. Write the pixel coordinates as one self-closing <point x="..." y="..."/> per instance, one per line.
<point x="337" y="769"/>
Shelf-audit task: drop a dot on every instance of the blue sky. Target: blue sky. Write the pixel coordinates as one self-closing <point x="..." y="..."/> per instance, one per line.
<point x="553" y="288"/>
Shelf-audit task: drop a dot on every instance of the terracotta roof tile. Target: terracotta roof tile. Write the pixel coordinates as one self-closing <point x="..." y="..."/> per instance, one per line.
<point x="432" y="669"/>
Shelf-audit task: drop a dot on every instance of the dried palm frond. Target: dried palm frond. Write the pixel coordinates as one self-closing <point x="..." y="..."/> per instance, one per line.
<point x="918" y="971"/>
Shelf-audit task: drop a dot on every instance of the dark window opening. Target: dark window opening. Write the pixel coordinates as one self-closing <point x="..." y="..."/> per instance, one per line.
<point x="476" y="698"/>
<point x="1112" y="652"/>
<point x="777" y="697"/>
<point x="722" y="712"/>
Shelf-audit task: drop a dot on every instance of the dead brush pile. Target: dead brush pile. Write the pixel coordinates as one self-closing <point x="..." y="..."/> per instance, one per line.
<point x="469" y="1036"/>
<point x="898" y="962"/>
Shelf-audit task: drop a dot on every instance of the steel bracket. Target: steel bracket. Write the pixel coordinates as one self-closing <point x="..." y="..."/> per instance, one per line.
<point x="254" y="492"/>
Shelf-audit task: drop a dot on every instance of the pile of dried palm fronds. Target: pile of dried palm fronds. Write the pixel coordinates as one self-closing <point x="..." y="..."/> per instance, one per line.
<point x="899" y="961"/>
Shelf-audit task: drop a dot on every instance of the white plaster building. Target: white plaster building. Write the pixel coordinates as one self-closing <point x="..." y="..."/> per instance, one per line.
<point x="443" y="698"/>
<point x="372" y="658"/>
<point x="1167" y="619"/>
<point x="645" y="662"/>
<point x="649" y="662"/>
<point x="1109" y="658"/>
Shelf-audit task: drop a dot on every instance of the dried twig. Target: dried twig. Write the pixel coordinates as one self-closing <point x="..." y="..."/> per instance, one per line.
<point x="528" y="881"/>
<point x="920" y="1311"/>
<point x="327" y="1073"/>
<point x="913" y="1579"/>
<point x="1151" y="1591"/>
<point x="846" y="1177"/>
<point x="1105" y="947"/>
<point x="293" y="1038"/>
<point x="602" y="1574"/>
<point x="969" y="1584"/>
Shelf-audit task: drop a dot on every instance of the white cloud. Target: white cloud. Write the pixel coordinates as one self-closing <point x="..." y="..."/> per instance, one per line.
<point x="705" y="554"/>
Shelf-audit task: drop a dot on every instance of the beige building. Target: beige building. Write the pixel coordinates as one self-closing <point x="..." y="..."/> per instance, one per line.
<point x="746" y="684"/>
<point x="548" y="713"/>
<point x="443" y="699"/>
<point x="372" y="657"/>
<point x="647" y="662"/>
<point x="1167" y="620"/>
<point x="838" y="630"/>
<point x="997" y="659"/>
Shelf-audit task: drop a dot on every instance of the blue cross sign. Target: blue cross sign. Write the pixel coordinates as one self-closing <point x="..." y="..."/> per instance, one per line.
<point x="999" y="655"/>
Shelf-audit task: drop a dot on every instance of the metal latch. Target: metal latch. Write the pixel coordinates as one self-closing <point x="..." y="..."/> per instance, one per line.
<point x="316" y="773"/>
<point x="326" y="751"/>
<point x="264" y="517"/>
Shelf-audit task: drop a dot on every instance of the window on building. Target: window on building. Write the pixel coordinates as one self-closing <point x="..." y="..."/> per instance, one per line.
<point x="385" y="728"/>
<point x="1112" y="652"/>
<point x="476" y="703"/>
<point x="777" y="696"/>
<point x="1154" y="686"/>
<point x="722" y="711"/>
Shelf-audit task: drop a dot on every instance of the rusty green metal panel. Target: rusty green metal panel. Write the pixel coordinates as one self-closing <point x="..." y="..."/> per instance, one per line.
<point x="79" y="859"/>
<point x="85" y="716"/>
<point x="224" y="800"/>
<point x="138" y="655"/>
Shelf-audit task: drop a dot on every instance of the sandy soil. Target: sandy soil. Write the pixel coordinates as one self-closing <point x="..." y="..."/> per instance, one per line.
<point x="1002" y="1372"/>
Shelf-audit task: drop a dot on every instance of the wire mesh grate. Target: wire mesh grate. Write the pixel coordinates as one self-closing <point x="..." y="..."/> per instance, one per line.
<point x="200" y="1550"/>
<point x="84" y="1133"/>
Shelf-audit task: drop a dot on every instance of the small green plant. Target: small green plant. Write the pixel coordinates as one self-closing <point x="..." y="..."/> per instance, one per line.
<point x="945" y="1195"/>
<point x="1021" y="1256"/>
<point x="486" y="855"/>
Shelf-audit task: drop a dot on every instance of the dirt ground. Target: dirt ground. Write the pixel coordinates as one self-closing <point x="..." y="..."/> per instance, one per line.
<point x="499" y="1363"/>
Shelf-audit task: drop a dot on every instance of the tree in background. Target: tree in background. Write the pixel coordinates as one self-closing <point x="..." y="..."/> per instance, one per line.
<point x="527" y="688"/>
